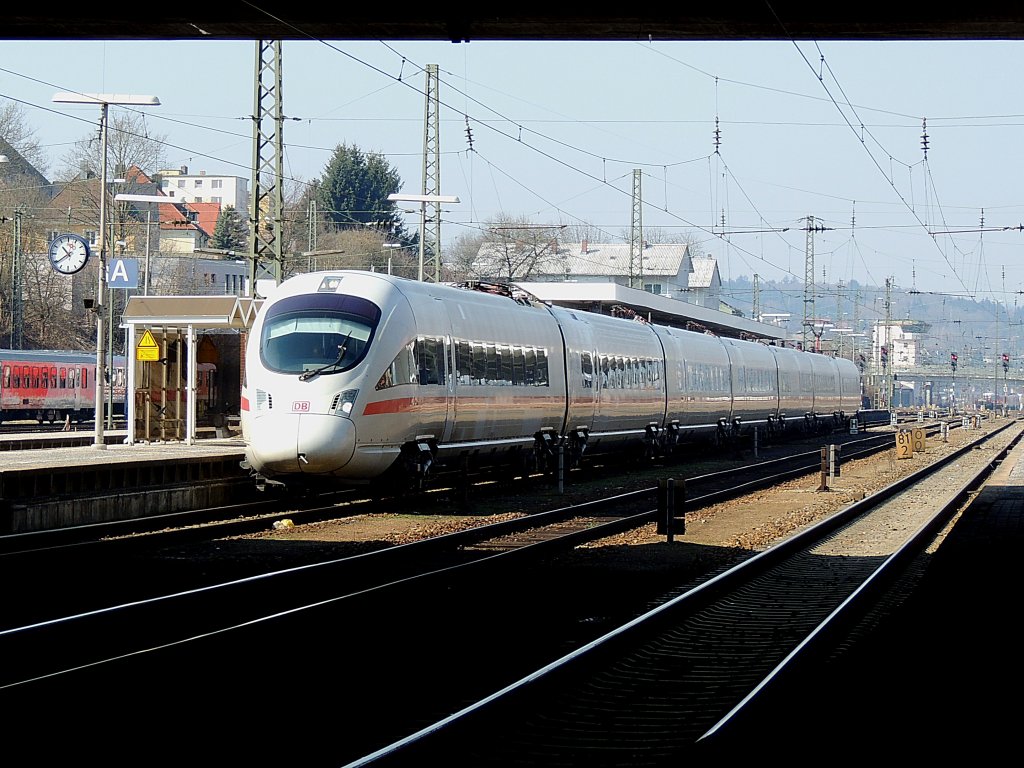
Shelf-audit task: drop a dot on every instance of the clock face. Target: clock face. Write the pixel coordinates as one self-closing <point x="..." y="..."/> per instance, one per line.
<point x="69" y="253"/>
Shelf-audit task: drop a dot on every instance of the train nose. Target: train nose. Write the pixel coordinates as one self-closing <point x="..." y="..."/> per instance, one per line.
<point x="313" y="444"/>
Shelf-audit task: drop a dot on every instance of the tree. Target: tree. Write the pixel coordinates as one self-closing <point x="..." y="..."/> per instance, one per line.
<point x="14" y="129"/>
<point x="129" y="143"/>
<point x="508" y="248"/>
<point x="231" y="232"/>
<point x="354" y="192"/>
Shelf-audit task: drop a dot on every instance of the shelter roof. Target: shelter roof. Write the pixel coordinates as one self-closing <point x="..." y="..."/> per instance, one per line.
<point x="235" y="312"/>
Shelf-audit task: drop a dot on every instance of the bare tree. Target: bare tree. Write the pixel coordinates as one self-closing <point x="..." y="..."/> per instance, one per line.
<point x="510" y="248"/>
<point x="577" y="233"/>
<point x="21" y="209"/>
<point x="51" y="318"/>
<point x="129" y="143"/>
<point x="15" y="130"/>
<point x="362" y="248"/>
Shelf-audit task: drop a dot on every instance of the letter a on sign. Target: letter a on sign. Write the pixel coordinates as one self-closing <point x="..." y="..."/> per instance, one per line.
<point x="123" y="273"/>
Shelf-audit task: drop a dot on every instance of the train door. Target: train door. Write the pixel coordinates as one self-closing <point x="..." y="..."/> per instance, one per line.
<point x="433" y="355"/>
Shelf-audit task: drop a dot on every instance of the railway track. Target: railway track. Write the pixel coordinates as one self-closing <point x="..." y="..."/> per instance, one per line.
<point x="101" y="552"/>
<point x="226" y="632"/>
<point x="240" y="519"/>
<point x="688" y="678"/>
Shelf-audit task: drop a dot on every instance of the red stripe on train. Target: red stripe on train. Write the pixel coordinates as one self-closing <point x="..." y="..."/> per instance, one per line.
<point x="397" y="405"/>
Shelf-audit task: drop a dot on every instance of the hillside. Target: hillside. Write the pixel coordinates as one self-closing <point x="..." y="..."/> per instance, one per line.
<point x="978" y="331"/>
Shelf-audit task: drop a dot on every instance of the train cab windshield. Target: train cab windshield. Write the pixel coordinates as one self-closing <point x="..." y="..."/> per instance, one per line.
<point x="317" y="334"/>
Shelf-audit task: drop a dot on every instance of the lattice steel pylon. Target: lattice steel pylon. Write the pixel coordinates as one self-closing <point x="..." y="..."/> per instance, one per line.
<point x="431" y="230"/>
<point x="809" y="318"/>
<point x="636" y="236"/>
<point x="267" y="200"/>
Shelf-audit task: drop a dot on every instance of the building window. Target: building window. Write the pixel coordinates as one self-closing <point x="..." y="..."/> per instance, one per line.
<point x="198" y="200"/>
<point x="90" y="235"/>
<point x="199" y="183"/>
<point x="216" y="183"/>
<point x="215" y="200"/>
<point x="181" y="183"/>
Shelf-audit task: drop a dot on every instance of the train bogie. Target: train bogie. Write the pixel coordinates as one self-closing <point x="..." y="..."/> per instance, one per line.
<point x="351" y="375"/>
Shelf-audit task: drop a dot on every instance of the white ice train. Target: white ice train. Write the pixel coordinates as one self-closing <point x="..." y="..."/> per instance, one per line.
<point x="351" y="376"/>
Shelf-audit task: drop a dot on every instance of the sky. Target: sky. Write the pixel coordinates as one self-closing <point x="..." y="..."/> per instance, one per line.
<point x="908" y="155"/>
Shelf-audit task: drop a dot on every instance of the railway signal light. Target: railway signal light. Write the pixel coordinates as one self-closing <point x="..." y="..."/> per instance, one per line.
<point x="952" y="360"/>
<point x="885" y="356"/>
<point x="1006" y="362"/>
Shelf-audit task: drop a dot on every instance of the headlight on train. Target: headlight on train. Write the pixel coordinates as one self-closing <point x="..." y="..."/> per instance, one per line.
<point x="343" y="402"/>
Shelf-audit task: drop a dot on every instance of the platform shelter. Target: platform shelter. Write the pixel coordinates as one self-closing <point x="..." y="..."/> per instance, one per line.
<point x="169" y="346"/>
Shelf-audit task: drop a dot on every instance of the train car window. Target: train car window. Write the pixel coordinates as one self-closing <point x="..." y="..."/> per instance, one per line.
<point x="463" y="362"/>
<point x="17" y="376"/>
<point x="63" y="378"/>
<point x="7" y="376"/>
<point x="518" y="366"/>
<point x="403" y="369"/>
<point x="85" y="378"/>
<point x="44" y="378"/>
<point x="587" y="369"/>
<point x="479" y="363"/>
<point x="542" y="368"/>
<point x="430" y="360"/>
<point x="530" y="358"/>
<point x="35" y="377"/>
<point x="491" y="377"/>
<point x="505" y="364"/>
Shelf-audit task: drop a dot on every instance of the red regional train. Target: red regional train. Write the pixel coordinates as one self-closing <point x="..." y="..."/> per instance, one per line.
<point x="53" y="385"/>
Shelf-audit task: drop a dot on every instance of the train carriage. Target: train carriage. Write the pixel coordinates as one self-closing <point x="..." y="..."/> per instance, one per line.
<point x="53" y="385"/>
<point x="698" y="379"/>
<point x="755" y="384"/>
<point x="615" y="374"/>
<point x="796" y="385"/>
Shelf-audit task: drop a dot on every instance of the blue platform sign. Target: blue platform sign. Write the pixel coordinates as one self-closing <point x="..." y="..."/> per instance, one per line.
<point x="123" y="273"/>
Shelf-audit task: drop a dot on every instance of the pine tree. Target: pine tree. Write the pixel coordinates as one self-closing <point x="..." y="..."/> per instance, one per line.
<point x="231" y="232"/>
<point x="354" y="191"/>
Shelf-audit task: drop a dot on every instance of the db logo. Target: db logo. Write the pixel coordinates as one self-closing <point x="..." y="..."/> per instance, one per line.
<point x="300" y="406"/>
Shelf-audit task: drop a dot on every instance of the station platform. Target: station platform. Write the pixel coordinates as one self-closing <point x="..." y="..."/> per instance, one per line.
<point x="64" y="479"/>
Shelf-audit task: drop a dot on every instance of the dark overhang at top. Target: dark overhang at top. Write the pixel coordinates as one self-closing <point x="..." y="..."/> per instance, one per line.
<point x="723" y="20"/>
